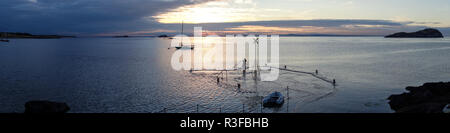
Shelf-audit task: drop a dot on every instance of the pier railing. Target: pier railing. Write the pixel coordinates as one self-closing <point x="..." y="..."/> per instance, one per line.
<point x="204" y="109"/>
<point x="198" y="108"/>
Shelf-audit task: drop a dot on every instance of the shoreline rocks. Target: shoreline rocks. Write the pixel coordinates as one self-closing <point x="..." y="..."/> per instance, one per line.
<point x="426" y="33"/>
<point x="428" y="98"/>
<point x="46" y="107"/>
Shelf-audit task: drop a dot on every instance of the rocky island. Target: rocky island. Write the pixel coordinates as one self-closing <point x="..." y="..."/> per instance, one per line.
<point x="426" y="33"/>
<point x="428" y="98"/>
<point x="163" y="36"/>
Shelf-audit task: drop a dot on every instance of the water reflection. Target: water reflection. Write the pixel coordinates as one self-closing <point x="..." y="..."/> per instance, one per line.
<point x="135" y="75"/>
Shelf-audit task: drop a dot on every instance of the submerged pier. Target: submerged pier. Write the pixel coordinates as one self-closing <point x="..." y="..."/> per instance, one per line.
<point x="314" y="74"/>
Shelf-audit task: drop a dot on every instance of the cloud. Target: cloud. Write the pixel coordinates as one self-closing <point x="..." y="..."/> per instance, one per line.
<point x="135" y="17"/>
<point x="83" y="16"/>
<point x="321" y="26"/>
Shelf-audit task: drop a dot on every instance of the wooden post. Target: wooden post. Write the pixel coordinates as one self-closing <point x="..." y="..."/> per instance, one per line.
<point x="288" y="92"/>
<point x="261" y="108"/>
<point x="287" y="106"/>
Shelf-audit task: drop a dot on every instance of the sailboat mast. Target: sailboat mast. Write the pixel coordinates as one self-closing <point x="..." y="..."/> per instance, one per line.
<point x="182" y="31"/>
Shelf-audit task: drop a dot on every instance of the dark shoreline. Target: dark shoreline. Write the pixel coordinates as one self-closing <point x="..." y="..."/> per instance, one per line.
<point x="428" y="98"/>
<point x="17" y="35"/>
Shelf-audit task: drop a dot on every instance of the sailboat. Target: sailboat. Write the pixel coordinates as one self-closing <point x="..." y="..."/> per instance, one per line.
<point x="182" y="30"/>
<point x="181" y="43"/>
<point x="5" y="35"/>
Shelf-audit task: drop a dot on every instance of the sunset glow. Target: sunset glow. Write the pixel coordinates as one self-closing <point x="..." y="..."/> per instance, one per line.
<point x="212" y="12"/>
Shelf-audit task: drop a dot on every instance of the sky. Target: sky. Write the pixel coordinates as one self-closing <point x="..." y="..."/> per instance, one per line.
<point x="154" y="17"/>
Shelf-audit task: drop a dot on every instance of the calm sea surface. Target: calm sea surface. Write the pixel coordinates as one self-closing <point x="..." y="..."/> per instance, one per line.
<point x="96" y="75"/>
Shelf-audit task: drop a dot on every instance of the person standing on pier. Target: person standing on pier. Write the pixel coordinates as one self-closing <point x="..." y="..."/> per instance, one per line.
<point x="239" y="87"/>
<point x="245" y="64"/>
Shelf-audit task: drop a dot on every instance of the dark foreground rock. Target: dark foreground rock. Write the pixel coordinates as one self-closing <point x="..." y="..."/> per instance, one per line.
<point x="46" y="107"/>
<point x="426" y="33"/>
<point x="428" y="98"/>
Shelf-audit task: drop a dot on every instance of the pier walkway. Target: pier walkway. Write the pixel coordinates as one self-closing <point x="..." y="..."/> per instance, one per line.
<point x="309" y="73"/>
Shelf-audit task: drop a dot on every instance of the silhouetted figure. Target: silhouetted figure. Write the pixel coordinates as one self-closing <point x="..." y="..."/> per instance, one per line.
<point x="245" y="63"/>
<point x="334" y="82"/>
<point x="218" y="79"/>
<point x="285" y="67"/>
<point x="317" y="71"/>
<point x="239" y="87"/>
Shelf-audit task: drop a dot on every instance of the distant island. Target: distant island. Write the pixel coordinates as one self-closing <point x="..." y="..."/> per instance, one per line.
<point x="163" y="36"/>
<point x="426" y="33"/>
<point x="31" y="36"/>
<point x="123" y="36"/>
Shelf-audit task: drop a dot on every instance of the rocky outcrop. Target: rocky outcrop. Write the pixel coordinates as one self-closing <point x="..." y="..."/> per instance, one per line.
<point x="46" y="107"/>
<point x="428" y="98"/>
<point x="163" y="36"/>
<point x="426" y="33"/>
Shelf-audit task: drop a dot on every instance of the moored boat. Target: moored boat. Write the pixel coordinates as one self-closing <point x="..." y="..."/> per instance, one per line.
<point x="275" y="99"/>
<point x="4" y="37"/>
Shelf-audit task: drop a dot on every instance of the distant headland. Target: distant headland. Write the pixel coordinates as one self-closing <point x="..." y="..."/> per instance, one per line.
<point x="426" y="33"/>
<point x="122" y="36"/>
<point x="31" y="36"/>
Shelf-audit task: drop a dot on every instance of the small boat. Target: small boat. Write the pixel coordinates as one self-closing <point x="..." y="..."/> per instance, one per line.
<point x="182" y="31"/>
<point x="275" y="99"/>
<point x="181" y="44"/>
<point x="5" y="38"/>
<point x="446" y="109"/>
